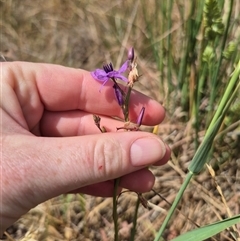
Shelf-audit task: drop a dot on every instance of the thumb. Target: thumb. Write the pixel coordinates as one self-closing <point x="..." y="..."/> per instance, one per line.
<point x="49" y="167"/>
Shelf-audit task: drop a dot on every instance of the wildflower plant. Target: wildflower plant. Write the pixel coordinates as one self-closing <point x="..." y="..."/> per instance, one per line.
<point x="122" y="93"/>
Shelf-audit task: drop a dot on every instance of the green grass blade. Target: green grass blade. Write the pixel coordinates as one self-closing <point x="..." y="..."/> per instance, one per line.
<point x="216" y="72"/>
<point x="209" y="230"/>
<point x="232" y="84"/>
<point x="174" y="205"/>
<point x="200" y="157"/>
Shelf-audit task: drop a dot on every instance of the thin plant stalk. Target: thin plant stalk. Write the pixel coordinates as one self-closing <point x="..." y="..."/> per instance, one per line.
<point x="199" y="88"/>
<point x="169" y="57"/>
<point x="232" y="84"/>
<point x="124" y="101"/>
<point x="216" y="72"/>
<point x="126" y="112"/>
<point x="174" y="206"/>
<point x="133" y="230"/>
<point x="115" y="214"/>
<point x="116" y="181"/>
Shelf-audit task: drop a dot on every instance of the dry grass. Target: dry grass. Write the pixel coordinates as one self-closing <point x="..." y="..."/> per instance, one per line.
<point x="84" y="34"/>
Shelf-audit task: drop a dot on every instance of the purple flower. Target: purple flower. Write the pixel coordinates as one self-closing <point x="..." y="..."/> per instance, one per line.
<point x="103" y="75"/>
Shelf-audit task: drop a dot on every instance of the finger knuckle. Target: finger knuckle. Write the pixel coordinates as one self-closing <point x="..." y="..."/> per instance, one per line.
<point x="108" y="157"/>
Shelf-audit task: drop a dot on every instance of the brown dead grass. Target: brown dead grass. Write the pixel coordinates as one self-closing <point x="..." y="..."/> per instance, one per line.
<point x="84" y="34"/>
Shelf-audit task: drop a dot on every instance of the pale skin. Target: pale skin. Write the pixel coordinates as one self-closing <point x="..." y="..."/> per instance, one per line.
<point x="50" y="145"/>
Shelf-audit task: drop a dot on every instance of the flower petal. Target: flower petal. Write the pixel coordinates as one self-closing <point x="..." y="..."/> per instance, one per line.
<point x="100" y="75"/>
<point x="115" y="74"/>
<point x="121" y="77"/>
<point x="103" y="85"/>
<point x="123" y="67"/>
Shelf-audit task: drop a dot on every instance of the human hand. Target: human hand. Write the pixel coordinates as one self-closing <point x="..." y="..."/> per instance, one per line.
<point x="51" y="146"/>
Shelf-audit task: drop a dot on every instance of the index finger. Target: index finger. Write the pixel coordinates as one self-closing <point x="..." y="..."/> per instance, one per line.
<point x="63" y="88"/>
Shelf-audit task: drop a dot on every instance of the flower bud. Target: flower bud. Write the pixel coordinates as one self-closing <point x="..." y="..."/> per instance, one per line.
<point x="140" y="117"/>
<point x="131" y="54"/>
<point x="119" y="94"/>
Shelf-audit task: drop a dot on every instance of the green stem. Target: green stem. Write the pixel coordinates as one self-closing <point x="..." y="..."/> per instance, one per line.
<point x="174" y="205"/>
<point x="227" y="94"/>
<point x="133" y="230"/>
<point x="199" y="92"/>
<point x="116" y="181"/>
<point x="127" y="100"/>
<point x="216" y="73"/>
<point x="115" y="215"/>
<point x="169" y="57"/>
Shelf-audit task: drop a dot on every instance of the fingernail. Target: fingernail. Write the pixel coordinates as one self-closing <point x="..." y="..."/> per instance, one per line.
<point x="146" y="151"/>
